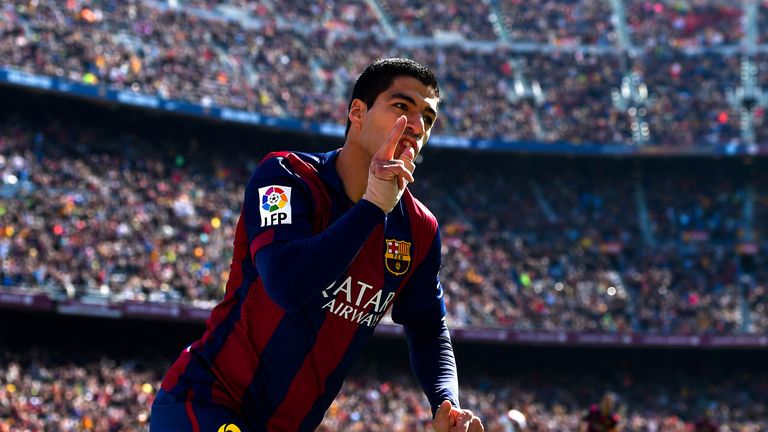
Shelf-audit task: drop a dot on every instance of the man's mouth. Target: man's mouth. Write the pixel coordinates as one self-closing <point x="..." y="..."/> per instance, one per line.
<point x="405" y="143"/>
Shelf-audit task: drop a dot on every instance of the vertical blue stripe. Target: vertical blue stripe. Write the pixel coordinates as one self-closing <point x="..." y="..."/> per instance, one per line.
<point x="397" y="227"/>
<point x="281" y="360"/>
<point x="198" y="373"/>
<point x="335" y="379"/>
<point x="219" y="337"/>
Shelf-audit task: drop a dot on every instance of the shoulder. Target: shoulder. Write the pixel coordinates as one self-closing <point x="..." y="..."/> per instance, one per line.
<point x="421" y="217"/>
<point x="286" y="169"/>
<point x="287" y="163"/>
<point x="292" y="175"/>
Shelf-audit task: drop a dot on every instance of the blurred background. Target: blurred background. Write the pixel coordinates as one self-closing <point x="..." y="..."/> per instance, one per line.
<point x="604" y="221"/>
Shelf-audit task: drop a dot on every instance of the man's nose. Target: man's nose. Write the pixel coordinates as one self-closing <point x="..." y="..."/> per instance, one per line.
<point x="415" y="126"/>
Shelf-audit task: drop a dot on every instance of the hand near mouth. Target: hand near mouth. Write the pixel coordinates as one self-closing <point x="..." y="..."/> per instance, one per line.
<point x="387" y="176"/>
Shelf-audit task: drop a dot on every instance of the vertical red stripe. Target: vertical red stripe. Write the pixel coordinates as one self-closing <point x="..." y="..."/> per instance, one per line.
<point x="191" y="412"/>
<point x="308" y="174"/>
<point x="336" y="333"/>
<point x="423" y="227"/>
<point x="322" y="201"/>
<point x="221" y="311"/>
<point x="261" y="240"/>
<point x="423" y="231"/>
<point x="178" y="368"/>
<point x="332" y="342"/>
<point x="224" y="308"/>
<point x="309" y="384"/>
<point x="237" y="361"/>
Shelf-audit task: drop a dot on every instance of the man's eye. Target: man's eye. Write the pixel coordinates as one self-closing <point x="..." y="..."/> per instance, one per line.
<point x="401" y="105"/>
<point x="429" y="120"/>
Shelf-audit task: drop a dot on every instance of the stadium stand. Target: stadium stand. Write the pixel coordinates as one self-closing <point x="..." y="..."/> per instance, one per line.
<point x="46" y="389"/>
<point x="679" y="24"/>
<point x="547" y="245"/>
<point x="298" y="66"/>
<point x="559" y="22"/>
<point x="542" y="258"/>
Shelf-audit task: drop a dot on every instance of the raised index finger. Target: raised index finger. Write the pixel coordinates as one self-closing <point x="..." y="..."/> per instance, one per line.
<point x="387" y="151"/>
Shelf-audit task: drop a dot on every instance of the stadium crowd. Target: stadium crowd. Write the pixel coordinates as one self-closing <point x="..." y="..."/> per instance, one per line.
<point x="424" y="18"/>
<point x="44" y="390"/>
<point x="555" y="22"/>
<point x="544" y="246"/>
<point x="549" y="246"/>
<point x="293" y="63"/>
<point x="169" y="240"/>
<point x="545" y="255"/>
<point x="684" y="24"/>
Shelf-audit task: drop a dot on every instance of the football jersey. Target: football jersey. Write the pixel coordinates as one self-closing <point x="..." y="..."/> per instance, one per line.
<point x="311" y="276"/>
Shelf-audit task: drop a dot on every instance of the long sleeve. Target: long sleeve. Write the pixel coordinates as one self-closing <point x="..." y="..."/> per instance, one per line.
<point x="433" y="363"/>
<point x="294" y="262"/>
<point x="279" y="263"/>
<point x="421" y="311"/>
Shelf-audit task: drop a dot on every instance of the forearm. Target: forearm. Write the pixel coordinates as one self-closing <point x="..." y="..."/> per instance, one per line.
<point x="294" y="271"/>
<point x="433" y="363"/>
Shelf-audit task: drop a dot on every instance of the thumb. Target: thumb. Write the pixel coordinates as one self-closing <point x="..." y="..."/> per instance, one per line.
<point x="409" y="153"/>
<point x="442" y="416"/>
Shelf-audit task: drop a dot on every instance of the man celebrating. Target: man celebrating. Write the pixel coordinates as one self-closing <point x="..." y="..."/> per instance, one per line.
<point x="325" y="245"/>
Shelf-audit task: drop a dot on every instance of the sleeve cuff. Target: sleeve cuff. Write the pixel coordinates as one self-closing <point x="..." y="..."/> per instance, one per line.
<point x="370" y="209"/>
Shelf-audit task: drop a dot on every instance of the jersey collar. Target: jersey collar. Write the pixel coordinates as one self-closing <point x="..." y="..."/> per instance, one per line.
<point x="327" y="172"/>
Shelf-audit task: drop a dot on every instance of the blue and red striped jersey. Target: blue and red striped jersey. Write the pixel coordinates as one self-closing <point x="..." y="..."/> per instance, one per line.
<point x="312" y="275"/>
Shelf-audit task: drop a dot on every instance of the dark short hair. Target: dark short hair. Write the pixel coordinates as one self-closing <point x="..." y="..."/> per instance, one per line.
<point x="378" y="76"/>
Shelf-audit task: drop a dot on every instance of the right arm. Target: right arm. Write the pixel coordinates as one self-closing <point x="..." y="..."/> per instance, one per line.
<point x="293" y="262"/>
<point x="294" y="271"/>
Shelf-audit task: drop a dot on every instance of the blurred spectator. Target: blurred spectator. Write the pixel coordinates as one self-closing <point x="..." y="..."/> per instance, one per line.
<point x="602" y="417"/>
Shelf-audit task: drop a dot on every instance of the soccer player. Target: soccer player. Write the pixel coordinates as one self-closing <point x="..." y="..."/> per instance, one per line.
<point x="325" y="245"/>
<point x="602" y="418"/>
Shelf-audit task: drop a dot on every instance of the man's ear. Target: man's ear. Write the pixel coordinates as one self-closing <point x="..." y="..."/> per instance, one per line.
<point x="357" y="112"/>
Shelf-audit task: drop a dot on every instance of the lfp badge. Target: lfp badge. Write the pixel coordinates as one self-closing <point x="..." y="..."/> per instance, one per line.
<point x="275" y="208"/>
<point x="397" y="257"/>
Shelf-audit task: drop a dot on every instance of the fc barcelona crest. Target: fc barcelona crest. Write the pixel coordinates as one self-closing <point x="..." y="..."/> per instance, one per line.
<point x="397" y="257"/>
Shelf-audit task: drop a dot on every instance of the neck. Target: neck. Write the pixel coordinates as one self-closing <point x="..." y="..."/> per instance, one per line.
<point x="352" y="164"/>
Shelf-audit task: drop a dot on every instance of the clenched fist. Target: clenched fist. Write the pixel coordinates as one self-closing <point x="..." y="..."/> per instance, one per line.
<point x="451" y="419"/>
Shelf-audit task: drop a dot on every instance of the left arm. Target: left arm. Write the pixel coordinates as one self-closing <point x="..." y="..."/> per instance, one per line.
<point x="421" y="311"/>
<point x="433" y="363"/>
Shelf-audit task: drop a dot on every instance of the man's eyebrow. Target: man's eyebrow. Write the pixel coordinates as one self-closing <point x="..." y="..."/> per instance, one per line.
<point x="404" y="96"/>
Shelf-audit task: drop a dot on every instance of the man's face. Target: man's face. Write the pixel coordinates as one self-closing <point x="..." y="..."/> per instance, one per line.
<point x="406" y="96"/>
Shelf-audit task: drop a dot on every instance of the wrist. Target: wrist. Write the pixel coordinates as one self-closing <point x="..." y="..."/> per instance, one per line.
<point x="371" y="207"/>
